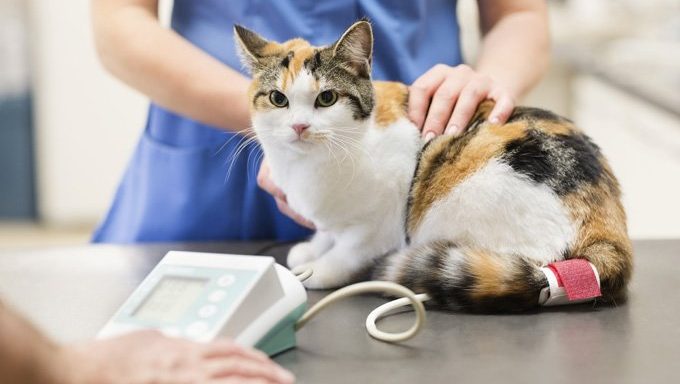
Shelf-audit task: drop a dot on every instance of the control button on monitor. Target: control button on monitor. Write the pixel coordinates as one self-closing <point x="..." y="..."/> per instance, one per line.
<point x="217" y="296"/>
<point x="197" y="328"/>
<point x="225" y="280"/>
<point x="207" y="310"/>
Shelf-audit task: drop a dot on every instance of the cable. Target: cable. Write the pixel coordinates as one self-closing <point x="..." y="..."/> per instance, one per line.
<point x="382" y="310"/>
<point x="387" y="287"/>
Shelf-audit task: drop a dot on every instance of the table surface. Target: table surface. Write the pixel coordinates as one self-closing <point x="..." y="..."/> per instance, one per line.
<point x="71" y="292"/>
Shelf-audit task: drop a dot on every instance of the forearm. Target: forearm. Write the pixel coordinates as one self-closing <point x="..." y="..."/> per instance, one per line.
<point x="516" y="50"/>
<point x="26" y="356"/>
<point x="164" y="66"/>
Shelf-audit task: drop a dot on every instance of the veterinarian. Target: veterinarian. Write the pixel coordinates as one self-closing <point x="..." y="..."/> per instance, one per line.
<point x="189" y="179"/>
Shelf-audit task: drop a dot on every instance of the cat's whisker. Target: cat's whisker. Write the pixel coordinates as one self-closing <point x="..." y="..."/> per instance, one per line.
<point x="351" y="158"/>
<point x="239" y="149"/>
<point x="327" y="144"/>
<point x="241" y="134"/>
<point x="355" y="143"/>
<point x="258" y="158"/>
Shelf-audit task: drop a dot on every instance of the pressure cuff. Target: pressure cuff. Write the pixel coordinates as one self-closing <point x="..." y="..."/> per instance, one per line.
<point x="570" y="282"/>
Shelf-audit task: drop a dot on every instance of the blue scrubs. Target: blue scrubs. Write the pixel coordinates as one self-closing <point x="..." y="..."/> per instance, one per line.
<point x="179" y="185"/>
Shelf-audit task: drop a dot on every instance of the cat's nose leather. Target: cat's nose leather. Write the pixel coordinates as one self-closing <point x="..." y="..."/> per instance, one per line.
<point x="299" y="128"/>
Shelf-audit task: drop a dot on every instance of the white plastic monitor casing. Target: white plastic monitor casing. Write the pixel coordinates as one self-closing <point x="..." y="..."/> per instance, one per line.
<point x="257" y="295"/>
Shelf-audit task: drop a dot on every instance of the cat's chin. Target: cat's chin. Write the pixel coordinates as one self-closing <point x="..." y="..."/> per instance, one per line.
<point x="297" y="148"/>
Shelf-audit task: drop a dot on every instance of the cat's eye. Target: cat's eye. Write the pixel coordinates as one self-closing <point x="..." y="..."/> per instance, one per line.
<point x="326" y="98"/>
<point x="278" y="99"/>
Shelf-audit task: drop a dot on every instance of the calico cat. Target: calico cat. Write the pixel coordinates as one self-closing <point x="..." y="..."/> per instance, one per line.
<point x="469" y="220"/>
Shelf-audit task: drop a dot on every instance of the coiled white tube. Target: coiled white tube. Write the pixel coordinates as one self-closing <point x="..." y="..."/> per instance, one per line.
<point x="388" y="287"/>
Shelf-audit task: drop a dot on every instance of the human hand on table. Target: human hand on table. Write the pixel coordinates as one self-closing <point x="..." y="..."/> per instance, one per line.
<point x="150" y="357"/>
<point x="444" y="99"/>
<point x="265" y="182"/>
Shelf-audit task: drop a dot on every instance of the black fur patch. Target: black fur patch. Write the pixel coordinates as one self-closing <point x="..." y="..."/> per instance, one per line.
<point x="527" y="156"/>
<point x="286" y="60"/>
<point x="587" y="156"/>
<point x="313" y="62"/>
<point x="359" y="111"/>
<point x="432" y="278"/>
<point x="562" y="162"/>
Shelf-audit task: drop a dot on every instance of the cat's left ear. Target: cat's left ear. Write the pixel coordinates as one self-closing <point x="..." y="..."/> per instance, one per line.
<point x="356" y="47"/>
<point x="252" y="48"/>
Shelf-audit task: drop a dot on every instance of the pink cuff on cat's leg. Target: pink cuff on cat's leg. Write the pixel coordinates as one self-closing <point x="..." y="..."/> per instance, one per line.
<point x="570" y="282"/>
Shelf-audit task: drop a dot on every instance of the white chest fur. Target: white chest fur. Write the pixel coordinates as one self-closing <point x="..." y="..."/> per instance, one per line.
<point x="365" y="186"/>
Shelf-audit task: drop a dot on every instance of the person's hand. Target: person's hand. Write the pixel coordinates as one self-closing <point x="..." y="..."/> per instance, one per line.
<point x="149" y="357"/>
<point x="265" y="182"/>
<point x="444" y="99"/>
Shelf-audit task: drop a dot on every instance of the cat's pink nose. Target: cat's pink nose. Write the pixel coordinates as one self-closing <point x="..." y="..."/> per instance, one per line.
<point x="299" y="128"/>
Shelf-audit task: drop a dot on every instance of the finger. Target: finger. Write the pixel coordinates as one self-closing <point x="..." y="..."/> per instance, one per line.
<point x="224" y="348"/>
<point x="421" y="91"/>
<point x="288" y="211"/>
<point x="502" y="110"/>
<point x="302" y="221"/>
<point x="470" y="97"/>
<point x="442" y="105"/>
<point x="246" y="368"/>
<point x="263" y="172"/>
<point x="265" y="182"/>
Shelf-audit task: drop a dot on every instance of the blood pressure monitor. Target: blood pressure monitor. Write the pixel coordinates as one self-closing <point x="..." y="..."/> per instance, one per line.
<point x="203" y="296"/>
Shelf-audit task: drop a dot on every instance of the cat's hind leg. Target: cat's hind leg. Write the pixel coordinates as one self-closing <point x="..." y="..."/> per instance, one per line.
<point x="308" y="251"/>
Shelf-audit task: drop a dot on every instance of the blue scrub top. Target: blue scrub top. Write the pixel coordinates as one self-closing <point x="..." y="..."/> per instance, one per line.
<point x="184" y="183"/>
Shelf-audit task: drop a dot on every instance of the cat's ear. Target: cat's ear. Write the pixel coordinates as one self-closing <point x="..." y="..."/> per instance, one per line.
<point x="251" y="47"/>
<point x="356" y="47"/>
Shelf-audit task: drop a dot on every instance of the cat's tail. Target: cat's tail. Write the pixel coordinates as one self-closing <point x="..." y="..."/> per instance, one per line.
<point x="470" y="279"/>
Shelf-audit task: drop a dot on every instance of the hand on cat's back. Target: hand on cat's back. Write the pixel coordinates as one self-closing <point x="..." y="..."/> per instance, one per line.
<point x="265" y="182"/>
<point x="444" y="99"/>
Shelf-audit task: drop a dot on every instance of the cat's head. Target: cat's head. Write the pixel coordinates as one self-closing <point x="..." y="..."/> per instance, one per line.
<point x="305" y="99"/>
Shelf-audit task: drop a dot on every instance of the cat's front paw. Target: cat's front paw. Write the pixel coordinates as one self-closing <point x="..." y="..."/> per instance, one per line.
<point x="300" y="254"/>
<point x="327" y="273"/>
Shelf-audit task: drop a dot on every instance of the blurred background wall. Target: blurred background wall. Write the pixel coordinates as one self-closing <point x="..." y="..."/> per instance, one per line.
<point x="72" y="127"/>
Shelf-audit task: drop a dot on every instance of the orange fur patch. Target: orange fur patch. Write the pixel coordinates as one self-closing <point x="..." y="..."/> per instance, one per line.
<point x="602" y="237"/>
<point x="488" y="272"/>
<point x="391" y="99"/>
<point x="302" y="51"/>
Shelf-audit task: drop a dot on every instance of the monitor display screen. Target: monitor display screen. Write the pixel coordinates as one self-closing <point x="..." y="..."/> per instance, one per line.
<point x="170" y="299"/>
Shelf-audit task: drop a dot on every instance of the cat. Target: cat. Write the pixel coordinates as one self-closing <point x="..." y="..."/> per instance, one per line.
<point x="469" y="220"/>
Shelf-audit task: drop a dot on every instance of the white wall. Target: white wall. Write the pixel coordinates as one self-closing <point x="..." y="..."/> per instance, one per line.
<point x="13" y="68"/>
<point x="642" y="144"/>
<point x="86" y="121"/>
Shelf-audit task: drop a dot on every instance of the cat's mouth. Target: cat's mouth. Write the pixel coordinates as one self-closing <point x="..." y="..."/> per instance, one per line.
<point x="306" y="139"/>
<point x="299" y="140"/>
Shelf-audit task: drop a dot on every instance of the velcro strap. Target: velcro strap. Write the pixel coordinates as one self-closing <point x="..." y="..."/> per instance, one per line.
<point x="577" y="278"/>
